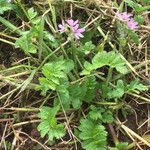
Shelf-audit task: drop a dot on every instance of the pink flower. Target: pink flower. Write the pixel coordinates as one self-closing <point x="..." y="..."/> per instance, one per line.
<point x="123" y="16"/>
<point x="128" y="18"/>
<point x="132" y="24"/>
<point x="71" y="22"/>
<point x="74" y="26"/>
<point x="77" y="33"/>
<point x="62" y="27"/>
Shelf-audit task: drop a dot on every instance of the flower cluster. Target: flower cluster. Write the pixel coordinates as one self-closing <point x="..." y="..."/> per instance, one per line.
<point x="74" y="27"/>
<point x="128" y="18"/>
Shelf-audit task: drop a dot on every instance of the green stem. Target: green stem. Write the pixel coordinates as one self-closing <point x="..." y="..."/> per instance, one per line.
<point x="139" y="97"/>
<point x="143" y="9"/>
<point x="130" y="146"/>
<point x="16" y="67"/>
<point x="106" y="103"/>
<point x="109" y="76"/>
<point x="10" y="25"/>
<point x="53" y="14"/>
<point x="43" y="62"/>
<point x="41" y="37"/>
<point x="23" y="9"/>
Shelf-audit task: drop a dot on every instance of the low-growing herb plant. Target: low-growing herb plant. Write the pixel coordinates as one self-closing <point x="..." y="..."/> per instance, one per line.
<point x="78" y="68"/>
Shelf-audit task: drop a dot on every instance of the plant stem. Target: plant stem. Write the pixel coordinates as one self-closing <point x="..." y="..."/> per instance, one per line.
<point x="43" y="62"/>
<point x="23" y="9"/>
<point x="8" y="42"/>
<point x="10" y="25"/>
<point x="115" y="139"/>
<point x="109" y="76"/>
<point x="129" y="70"/>
<point x="22" y="109"/>
<point x="53" y="14"/>
<point x="143" y="9"/>
<point x="41" y="38"/>
<point x="106" y="103"/>
<point x="132" y="145"/>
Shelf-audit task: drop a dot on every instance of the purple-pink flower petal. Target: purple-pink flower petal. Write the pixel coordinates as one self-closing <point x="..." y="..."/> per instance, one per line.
<point x="123" y="16"/>
<point x="78" y="35"/>
<point x="62" y="27"/>
<point x="71" y="22"/>
<point x="132" y="24"/>
<point x="74" y="26"/>
<point x="81" y="30"/>
<point x="128" y="18"/>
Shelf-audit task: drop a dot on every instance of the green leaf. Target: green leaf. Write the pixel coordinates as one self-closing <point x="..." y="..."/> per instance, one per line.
<point x="136" y="86"/>
<point x="101" y="115"/>
<point x="130" y="3"/>
<point x="68" y="65"/>
<point x="122" y="145"/>
<point x="4" y="6"/>
<point x="31" y="13"/>
<point x="47" y="113"/>
<point x="147" y="1"/>
<point x="86" y="48"/>
<point x="111" y="59"/>
<point x="57" y="132"/>
<point x="91" y="86"/>
<point x="105" y="89"/>
<point x="77" y="93"/>
<point x="45" y="85"/>
<point x="139" y="19"/>
<point x="118" y="91"/>
<point x="84" y="91"/>
<point x="28" y="39"/>
<point x="25" y="42"/>
<point x="93" y="135"/>
<point x="100" y="59"/>
<point x="48" y="125"/>
<point x="64" y="96"/>
<point x="50" y="39"/>
<point x="107" y="117"/>
<point x="95" y="113"/>
<point x="133" y="36"/>
<point x="137" y="7"/>
<point x="54" y="72"/>
<point x="87" y="68"/>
